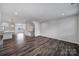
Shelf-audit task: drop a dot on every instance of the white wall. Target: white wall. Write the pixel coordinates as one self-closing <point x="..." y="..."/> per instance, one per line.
<point x="37" y="28"/>
<point x="78" y="29"/>
<point x="62" y="29"/>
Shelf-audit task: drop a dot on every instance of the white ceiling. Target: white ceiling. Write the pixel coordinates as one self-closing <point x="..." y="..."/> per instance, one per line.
<point x="37" y="11"/>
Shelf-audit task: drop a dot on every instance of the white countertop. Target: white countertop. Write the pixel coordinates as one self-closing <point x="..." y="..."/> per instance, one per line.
<point x="8" y="32"/>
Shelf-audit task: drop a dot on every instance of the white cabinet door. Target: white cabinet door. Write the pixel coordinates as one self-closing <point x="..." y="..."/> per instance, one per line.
<point x="7" y="35"/>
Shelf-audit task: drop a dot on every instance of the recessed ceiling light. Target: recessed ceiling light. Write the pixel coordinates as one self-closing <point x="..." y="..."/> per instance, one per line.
<point x="16" y="13"/>
<point x="63" y="14"/>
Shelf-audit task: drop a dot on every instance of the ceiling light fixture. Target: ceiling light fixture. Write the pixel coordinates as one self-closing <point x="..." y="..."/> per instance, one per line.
<point x="63" y="14"/>
<point x="16" y="13"/>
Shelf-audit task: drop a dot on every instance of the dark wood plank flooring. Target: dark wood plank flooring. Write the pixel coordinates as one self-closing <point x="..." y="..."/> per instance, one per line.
<point x="39" y="46"/>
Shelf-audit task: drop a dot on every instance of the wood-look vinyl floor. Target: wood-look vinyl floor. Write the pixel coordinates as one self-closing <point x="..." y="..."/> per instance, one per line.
<point x="38" y="46"/>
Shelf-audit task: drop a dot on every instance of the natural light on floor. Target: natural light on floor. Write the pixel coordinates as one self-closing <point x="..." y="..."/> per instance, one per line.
<point x="20" y="38"/>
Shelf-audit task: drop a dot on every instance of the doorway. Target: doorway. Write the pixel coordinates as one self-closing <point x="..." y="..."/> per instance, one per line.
<point x="20" y="34"/>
